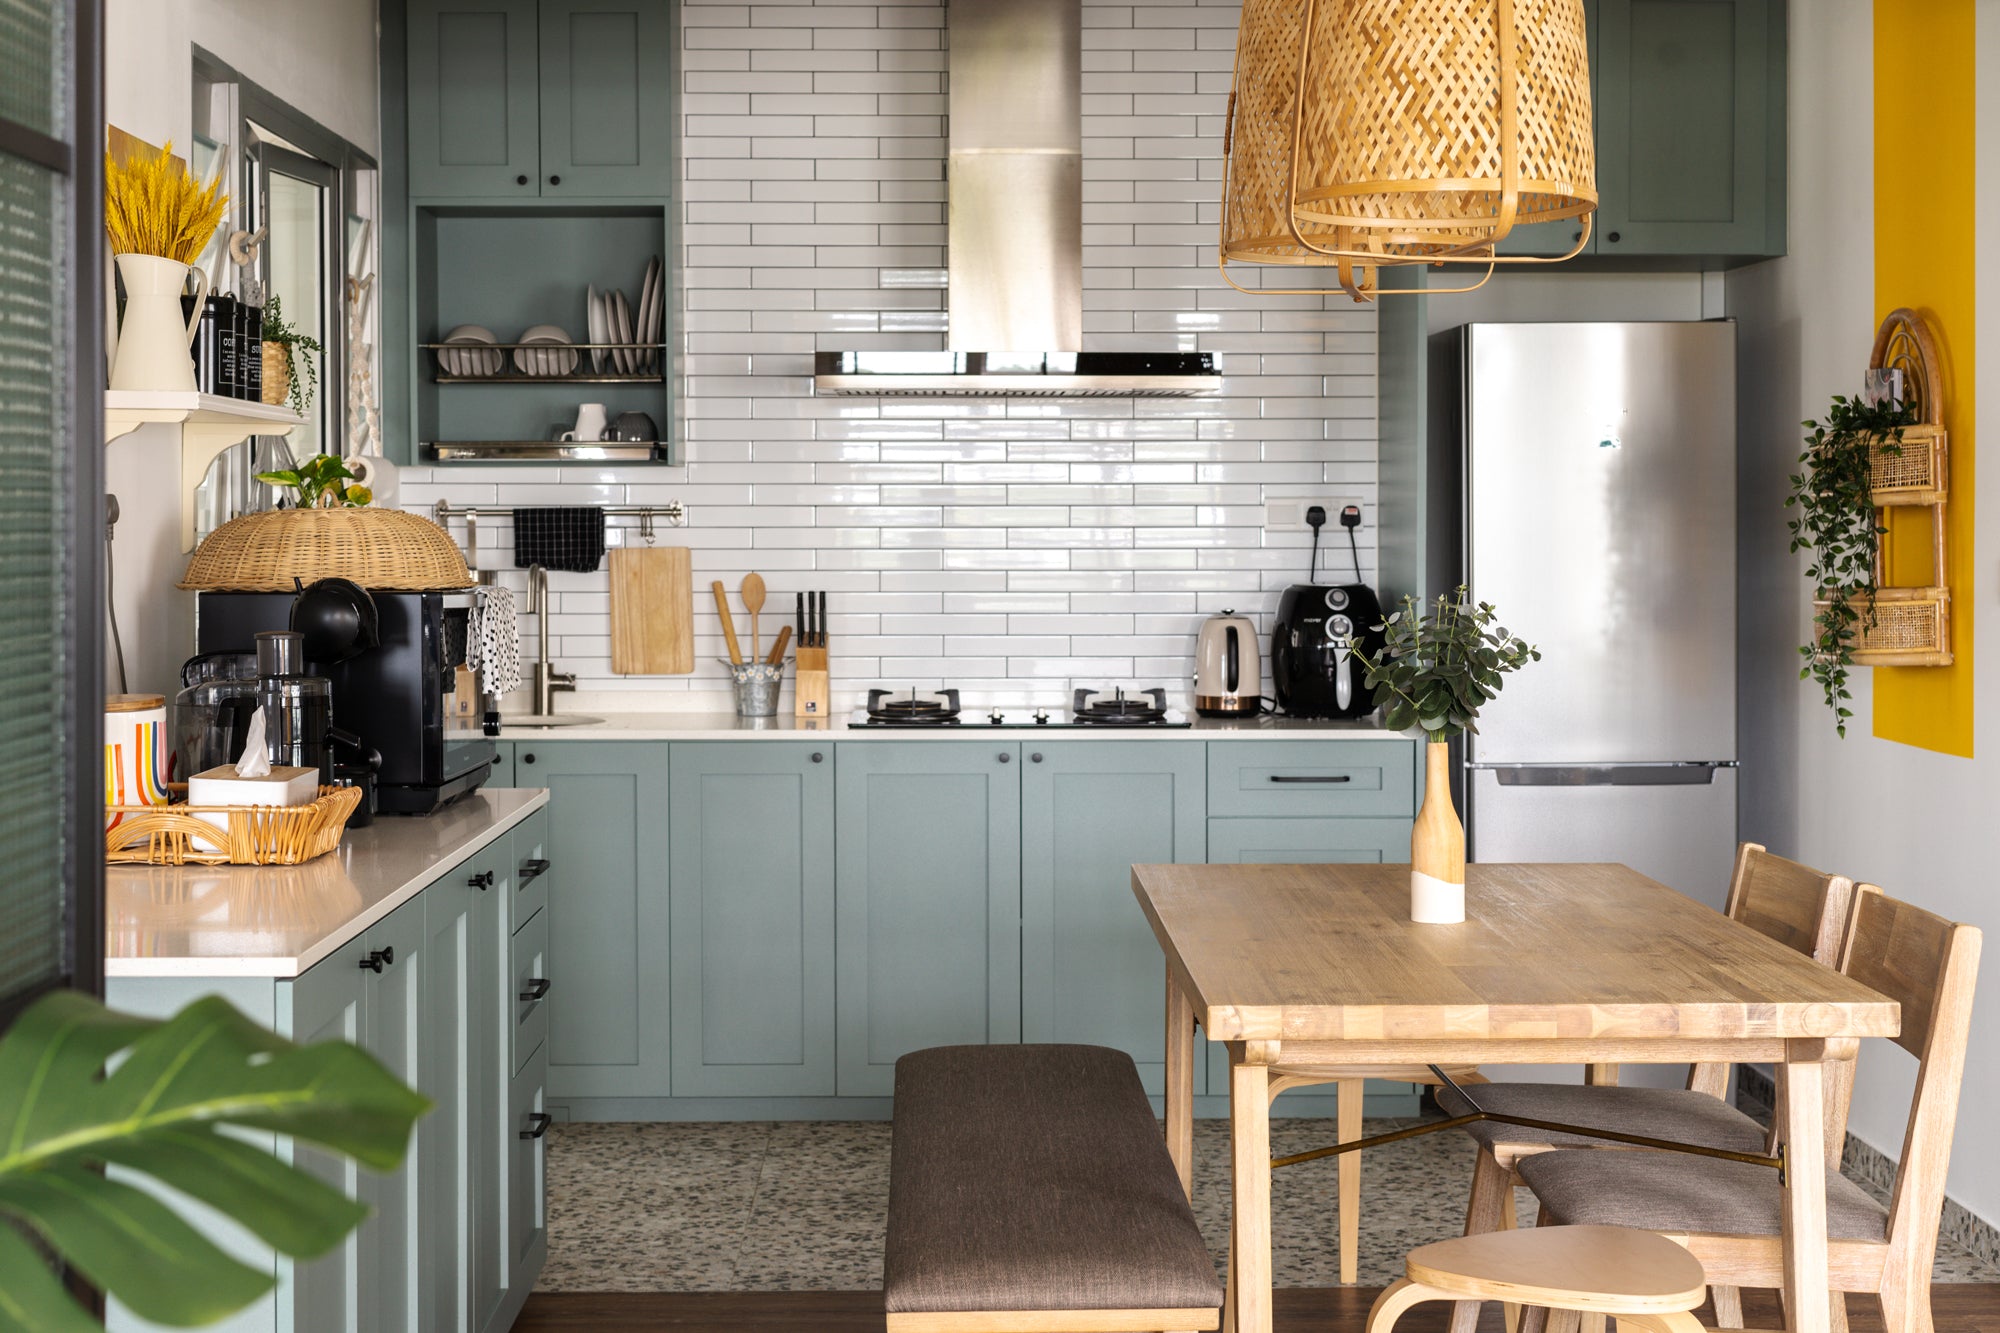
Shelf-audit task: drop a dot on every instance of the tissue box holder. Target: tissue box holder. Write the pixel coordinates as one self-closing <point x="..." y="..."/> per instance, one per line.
<point x="244" y="835"/>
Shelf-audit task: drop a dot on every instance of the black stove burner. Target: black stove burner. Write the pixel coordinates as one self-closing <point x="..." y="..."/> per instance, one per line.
<point x="1147" y="708"/>
<point x="888" y="709"/>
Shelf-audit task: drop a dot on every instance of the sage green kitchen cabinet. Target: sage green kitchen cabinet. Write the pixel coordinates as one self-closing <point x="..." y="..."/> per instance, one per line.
<point x="487" y="879"/>
<point x="449" y="1077"/>
<point x="608" y="914"/>
<point x="393" y="1270"/>
<point x="1091" y="968"/>
<point x="927" y="902"/>
<point x="474" y="103"/>
<point x="607" y="110"/>
<point x="512" y="100"/>
<point x="751" y="908"/>
<point x="1691" y="126"/>
<point x="1308" y="841"/>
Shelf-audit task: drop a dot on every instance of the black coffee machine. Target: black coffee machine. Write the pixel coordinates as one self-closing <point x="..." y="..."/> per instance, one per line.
<point x="1312" y="672"/>
<point x="393" y="695"/>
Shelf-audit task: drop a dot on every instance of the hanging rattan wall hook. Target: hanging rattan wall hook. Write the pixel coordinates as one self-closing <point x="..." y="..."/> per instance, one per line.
<point x="1364" y="134"/>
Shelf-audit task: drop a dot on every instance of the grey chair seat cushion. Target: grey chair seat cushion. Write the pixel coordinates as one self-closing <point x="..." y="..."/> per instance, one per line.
<point x="1673" y="1192"/>
<point x="1035" y="1178"/>
<point x="1660" y="1113"/>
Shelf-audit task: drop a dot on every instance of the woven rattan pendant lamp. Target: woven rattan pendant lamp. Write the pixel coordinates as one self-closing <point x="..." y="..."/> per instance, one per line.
<point x="1370" y="133"/>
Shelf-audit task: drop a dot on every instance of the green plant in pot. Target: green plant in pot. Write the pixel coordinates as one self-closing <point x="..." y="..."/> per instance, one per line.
<point x="321" y="482"/>
<point x="296" y="378"/>
<point x="1434" y="672"/>
<point x="1838" y="525"/>
<point x="165" y="1112"/>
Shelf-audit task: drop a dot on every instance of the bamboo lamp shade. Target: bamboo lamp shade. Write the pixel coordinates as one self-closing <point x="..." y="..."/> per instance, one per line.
<point x="376" y="548"/>
<point x="1364" y="133"/>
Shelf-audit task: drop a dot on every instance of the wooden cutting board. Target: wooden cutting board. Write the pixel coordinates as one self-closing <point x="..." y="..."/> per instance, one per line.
<point x="652" y="611"/>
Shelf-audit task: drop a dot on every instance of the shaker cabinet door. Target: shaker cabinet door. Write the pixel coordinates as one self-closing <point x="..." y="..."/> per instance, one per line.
<point x="607" y="118"/>
<point x="1091" y="968"/>
<point x="395" y="1254"/>
<point x="928" y="902"/>
<point x="751" y="908"/>
<point x="474" y="125"/>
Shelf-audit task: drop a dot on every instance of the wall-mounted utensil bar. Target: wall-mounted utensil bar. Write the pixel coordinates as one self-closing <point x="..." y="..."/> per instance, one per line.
<point x="672" y="511"/>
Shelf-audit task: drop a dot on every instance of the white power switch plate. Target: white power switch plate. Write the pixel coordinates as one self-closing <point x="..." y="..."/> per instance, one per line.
<point x="1287" y="513"/>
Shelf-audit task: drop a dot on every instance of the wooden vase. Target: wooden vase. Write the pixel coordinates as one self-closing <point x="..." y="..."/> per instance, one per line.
<point x="1437" y="846"/>
<point x="277" y="375"/>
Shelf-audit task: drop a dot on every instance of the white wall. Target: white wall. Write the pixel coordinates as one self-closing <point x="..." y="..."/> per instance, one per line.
<point x="1012" y="548"/>
<point x="316" y="55"/>
<point x="1916" y="822"/>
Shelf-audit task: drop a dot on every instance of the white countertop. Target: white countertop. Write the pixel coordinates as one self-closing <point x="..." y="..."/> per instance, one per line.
<point x="277" y="921"/>
<point x="728" y="726"/>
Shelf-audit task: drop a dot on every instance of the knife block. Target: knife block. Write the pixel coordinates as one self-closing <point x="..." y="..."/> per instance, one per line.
<point x="810" y="694"/>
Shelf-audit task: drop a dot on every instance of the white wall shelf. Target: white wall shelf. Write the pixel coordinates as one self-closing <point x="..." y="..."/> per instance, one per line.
<point x="208" y="425"/>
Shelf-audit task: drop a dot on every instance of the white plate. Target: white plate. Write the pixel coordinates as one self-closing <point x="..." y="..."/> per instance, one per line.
<point x="621" y="331"/>
<point x="548" y="352"/>
<point x="594" y="318"/>
<point x="472" y="361"/>
<point x="649" y="319"/>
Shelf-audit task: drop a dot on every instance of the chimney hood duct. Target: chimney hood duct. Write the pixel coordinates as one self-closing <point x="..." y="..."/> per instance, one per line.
<point x="1015" y="236"/>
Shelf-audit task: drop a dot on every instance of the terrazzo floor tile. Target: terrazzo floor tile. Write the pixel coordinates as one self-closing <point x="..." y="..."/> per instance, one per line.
<point x="801" y="1206"/>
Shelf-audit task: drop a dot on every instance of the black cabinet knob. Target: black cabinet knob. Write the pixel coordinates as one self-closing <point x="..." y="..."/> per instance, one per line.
<point x="537" y="987"/>
<point x="1612" y="237"/>
<point x="520" y="180"/>
<point x="555" y="180"/>
<point x="482" y="881"/>
<point x="527" y="759"/>
<point x="818" y="757"/>
<point x="1006" y="758"/>
<point x="1035" y="758"/>
<point x="539" y="1122"/>
<point x="373" y="962"/>
<point x="389" y="955"/>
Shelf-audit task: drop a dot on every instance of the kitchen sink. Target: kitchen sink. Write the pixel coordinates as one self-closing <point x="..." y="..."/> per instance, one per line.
<point x="549" y="720"/>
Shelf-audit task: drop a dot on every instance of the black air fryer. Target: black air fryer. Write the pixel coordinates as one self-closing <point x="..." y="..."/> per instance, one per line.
<point x="1312" y="673"/>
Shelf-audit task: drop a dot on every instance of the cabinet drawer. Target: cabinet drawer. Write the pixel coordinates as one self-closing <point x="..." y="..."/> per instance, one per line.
<point x="527" y="1156"/>
<point x="1307" y="841"/>
<point x="531" y="866"/>
<point x="530" y="983"/>
<point x="1302" y="779"/>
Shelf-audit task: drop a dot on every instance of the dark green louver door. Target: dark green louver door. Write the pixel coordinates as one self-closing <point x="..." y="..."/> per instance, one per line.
<point x="51" y="533"/>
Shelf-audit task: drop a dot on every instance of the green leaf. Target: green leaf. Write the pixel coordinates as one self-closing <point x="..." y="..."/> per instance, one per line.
<point x="133" y="1246"/>
<point x="31" y="1296"/>
<point x="279" y="478"/>
<point x="291" y="1211"/>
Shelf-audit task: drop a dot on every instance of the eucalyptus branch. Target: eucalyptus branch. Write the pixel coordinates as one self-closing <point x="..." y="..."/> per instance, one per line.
<point x="1441" y="668"/>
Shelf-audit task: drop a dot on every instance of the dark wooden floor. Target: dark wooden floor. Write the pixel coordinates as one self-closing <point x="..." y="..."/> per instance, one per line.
<point x="1958" y="1308"/>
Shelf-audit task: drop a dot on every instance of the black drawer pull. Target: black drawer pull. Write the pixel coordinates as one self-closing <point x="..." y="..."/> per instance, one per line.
<point x="1312" y="777"/>
<point x="541" y="1120"/>
<point x="534" y="868"/>
<point x="537" y="988"/>
<point x="482" y="881"/>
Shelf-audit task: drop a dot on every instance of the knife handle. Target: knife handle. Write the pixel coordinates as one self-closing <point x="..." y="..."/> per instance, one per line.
<point x="728" y="624"/>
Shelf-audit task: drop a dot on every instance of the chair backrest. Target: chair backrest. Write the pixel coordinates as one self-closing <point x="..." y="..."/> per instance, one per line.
<point x="1799" y="907"/>
<point x="1928" y="965"/>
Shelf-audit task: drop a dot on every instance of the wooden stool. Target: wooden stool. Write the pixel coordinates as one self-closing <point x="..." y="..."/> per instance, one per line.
<point x="1641" y="1279"/>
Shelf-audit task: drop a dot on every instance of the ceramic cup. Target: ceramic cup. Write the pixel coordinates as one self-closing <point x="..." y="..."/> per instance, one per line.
<point x="590" y="423"/>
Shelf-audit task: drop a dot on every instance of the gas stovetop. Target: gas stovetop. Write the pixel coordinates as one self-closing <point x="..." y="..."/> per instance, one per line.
<point x="1089" y="708"/>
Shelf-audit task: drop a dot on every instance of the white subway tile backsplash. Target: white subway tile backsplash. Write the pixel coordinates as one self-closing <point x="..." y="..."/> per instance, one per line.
<point x="1012" y="547"/>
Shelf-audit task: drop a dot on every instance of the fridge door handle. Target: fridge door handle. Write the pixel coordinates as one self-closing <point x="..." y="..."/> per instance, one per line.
<point x="1699" y="774"/>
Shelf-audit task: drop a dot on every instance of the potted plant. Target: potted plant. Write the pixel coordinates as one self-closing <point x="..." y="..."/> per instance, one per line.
<point x="321" y="482"/>
<point x="1434" y="672"/>
<point x="166" y="1112"/>
<point x="283" y="381"/>
<point x="1837" y="524"/>
<point x="158" y="219"/>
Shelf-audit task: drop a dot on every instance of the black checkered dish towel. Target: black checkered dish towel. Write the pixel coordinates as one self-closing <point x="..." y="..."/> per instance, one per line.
<point x="570" y="538"/>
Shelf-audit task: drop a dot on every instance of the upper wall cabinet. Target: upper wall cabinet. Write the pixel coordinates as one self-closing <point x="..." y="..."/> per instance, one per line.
<point x="1688" y="97"/>
<point x="514" y="99"/>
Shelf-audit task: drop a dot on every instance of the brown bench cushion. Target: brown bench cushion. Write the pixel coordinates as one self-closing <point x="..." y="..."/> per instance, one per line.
<point x="1035" y="1178"/>
<point x="1676" y="1193"/>
<point x="1660" y="1113"/>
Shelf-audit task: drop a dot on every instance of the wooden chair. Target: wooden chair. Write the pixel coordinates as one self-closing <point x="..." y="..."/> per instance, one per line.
<point x="1728" y="1215"/>
<point x="1642" y="1280"/>
<point x="1791" y="903"/>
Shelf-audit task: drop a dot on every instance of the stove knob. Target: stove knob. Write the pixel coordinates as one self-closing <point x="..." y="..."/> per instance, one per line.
<point x="996" y="717"/>
<point x="1041" y="719"/>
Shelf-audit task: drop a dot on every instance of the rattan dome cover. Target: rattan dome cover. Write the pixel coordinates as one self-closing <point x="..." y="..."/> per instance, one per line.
<point x="376" y="548"/>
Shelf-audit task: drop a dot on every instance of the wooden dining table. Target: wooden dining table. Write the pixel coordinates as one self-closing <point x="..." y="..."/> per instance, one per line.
<point x="1302" y="965"/>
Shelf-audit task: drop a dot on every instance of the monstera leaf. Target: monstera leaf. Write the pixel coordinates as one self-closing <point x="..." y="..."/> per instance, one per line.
<point x="163" y="1112"/>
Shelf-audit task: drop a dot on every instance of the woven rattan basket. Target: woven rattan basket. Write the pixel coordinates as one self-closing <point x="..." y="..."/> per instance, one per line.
<point x="1917" y="473"/>
<point x="1909" y="627"/>
<point x="376" y="548"/>
<point x="259" y="835"/>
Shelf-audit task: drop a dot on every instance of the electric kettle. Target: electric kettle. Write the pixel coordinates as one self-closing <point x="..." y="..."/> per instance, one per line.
<point x="1229" y="672"/>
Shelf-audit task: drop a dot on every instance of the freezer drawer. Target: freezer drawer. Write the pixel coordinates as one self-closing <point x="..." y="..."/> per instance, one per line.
<point x="1680" y="832"/>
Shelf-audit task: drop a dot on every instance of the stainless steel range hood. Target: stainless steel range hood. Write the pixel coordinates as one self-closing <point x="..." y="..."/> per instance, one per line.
<point x="1015" y="238"/>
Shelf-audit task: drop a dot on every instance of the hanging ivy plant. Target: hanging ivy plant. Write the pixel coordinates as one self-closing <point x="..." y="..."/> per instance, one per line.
<point x="1838" y="526"/>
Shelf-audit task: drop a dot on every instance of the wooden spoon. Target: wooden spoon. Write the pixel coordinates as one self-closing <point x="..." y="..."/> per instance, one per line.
<point x="753" y="602"/>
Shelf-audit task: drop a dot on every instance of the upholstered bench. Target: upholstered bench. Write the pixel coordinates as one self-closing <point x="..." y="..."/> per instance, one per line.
<point x="1030" y="1191"/>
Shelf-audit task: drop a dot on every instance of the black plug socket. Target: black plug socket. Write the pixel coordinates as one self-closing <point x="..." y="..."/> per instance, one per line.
<point x="1350" y="516"/>
<point x="1316" y="517"/>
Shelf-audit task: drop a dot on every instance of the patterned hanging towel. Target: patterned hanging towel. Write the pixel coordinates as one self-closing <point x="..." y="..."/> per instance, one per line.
<point x="493" y="645"/>
<point x="569" y="538"/>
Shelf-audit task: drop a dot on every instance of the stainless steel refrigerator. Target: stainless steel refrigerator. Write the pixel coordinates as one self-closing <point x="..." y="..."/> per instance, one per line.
<point x="1598" y="464"/>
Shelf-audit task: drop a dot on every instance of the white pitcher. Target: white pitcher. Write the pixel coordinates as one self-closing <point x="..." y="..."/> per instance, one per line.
<point x="155" y="338"/>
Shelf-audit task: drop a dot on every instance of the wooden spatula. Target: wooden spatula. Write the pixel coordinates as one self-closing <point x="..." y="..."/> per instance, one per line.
<point x="753" y="602"/>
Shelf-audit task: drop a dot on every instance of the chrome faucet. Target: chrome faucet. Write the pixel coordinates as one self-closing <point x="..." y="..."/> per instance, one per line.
<point x="544" y="677"/>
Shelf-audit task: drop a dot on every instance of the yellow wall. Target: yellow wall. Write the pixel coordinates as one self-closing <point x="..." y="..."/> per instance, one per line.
<point x="1924" y="258"/>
